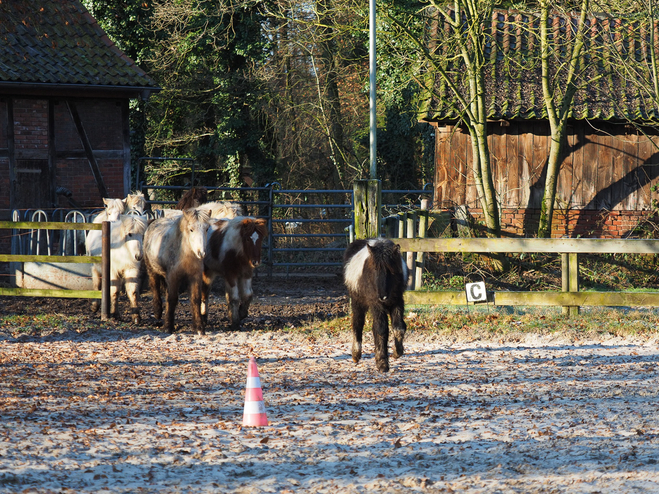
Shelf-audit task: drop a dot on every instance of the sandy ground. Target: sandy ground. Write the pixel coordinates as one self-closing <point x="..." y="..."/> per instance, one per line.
<point x="141" y="411"/>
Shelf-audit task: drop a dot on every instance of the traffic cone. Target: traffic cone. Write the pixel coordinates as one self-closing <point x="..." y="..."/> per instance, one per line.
<point x="254" y="413"/>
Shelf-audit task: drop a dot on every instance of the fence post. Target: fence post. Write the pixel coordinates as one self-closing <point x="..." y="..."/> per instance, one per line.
<point x="420" y="258"/>
<point x="105" y="271"/>
<point x="368" y="200"/>
<point x="570" y="279"/>
<point x="411" y="223"/>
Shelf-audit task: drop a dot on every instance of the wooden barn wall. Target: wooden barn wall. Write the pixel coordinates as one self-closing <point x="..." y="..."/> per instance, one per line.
<point x="607" y="168"/>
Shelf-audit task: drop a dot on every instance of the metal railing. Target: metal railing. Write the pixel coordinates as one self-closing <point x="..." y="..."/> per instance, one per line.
<point x="307" y="228"/>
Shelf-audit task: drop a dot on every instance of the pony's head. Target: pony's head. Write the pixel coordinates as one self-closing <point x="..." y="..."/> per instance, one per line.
<point x="252" y="233"/>
<point x="387" y="267"/>
<point x="113" y="208"/>
<point x="132" y="234"/>
<point x="194" y="227"/>
<point x="135" y="202"/>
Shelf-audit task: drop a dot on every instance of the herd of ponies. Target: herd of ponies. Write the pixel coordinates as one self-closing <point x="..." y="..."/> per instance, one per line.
<point x="188" y="247"/>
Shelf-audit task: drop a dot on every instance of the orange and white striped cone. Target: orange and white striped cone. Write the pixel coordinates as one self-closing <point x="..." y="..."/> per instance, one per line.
<point x="254" y="413"/>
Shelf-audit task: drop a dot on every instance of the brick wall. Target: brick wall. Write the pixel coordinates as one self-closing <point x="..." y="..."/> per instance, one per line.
<point x="103" y="125"/>
<point x="571" y="223"/>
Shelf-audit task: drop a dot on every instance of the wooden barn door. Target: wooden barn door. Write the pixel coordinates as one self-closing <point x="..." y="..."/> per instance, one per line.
<point x="29" y="132"/>
<point x="31" y="186"/>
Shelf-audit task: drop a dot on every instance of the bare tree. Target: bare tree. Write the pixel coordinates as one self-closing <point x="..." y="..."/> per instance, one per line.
<point x="560" y="82"/>
<point x="455" y="55"/>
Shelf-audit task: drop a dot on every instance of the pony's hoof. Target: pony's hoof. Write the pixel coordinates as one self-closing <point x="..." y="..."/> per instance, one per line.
<point x="201" y="332"/>
<point x="383" y="366"/>
<point x="137" y="320"/>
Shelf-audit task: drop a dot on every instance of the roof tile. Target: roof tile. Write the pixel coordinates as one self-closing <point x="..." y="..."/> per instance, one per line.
<point x="513" y="82"/>
<point x="59" y="42"/>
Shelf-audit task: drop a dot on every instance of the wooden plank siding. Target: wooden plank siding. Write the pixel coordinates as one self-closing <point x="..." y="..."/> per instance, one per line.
<point x="611" y="167"/>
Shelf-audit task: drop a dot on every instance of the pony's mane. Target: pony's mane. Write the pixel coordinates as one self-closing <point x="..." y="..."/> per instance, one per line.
<point x="131" y="223"/>
<point x="196" y="214"/>
<point x="384" y="254"/>
<point x="223" y="209"/>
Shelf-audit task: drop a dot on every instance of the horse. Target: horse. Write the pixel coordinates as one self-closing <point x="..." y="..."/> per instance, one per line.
<point x="216" y="210"/>
<point x="174" y="251"/>
<point x="115" y="207"/>
<point x="126" y="236"/>
<point x="196" y="196"/>
<point x="234" y="250"/>
<point x="375" y="275"/>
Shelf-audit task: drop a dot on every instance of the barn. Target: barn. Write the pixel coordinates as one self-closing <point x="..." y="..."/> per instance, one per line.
<point x="611" y="160"/>
<point x="65" y="90"/>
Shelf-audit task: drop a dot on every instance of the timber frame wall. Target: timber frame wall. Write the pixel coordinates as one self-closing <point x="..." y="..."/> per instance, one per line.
<point x="85" y="141"/>
<point x="604" y="187"/>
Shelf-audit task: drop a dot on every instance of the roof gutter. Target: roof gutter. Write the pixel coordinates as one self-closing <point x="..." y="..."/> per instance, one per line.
<point x="144" y="92"/>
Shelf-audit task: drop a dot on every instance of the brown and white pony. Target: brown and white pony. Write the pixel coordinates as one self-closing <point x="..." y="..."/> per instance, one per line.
<point x="174" y="251"/>
<point x="126" y="236"/>
<point x="234" y="250"/>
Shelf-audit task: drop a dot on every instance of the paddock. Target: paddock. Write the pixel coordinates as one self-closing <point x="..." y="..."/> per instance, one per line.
<point x="138" y="411"/>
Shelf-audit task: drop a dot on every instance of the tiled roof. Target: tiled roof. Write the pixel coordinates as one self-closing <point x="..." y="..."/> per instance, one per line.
<point x="59" y="42"/>
<point x="513" y="74"/>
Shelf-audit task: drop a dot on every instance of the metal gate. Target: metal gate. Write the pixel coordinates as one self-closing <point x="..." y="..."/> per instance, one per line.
<point x="308" y="229"/>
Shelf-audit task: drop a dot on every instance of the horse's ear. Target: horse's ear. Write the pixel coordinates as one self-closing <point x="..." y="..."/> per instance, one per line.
<point x="106" y="201"/>
<point x="397" y="249"/>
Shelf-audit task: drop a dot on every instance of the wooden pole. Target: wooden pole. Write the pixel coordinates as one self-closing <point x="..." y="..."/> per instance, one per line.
<point x="368" y="200"/>
<point x="411" y="220"/>
<point x="105" y="271"/>
<point x="420" y="257"/>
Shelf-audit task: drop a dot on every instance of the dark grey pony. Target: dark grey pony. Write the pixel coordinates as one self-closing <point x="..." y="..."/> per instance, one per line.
<point x="376" y="276"/>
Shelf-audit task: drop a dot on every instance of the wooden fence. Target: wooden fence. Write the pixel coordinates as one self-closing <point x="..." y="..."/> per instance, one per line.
<point x="104" y="259"/>
<point x="570" y="298"/>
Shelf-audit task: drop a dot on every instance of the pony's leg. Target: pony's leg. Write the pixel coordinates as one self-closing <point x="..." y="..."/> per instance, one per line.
<point x="358" y="320"/>
<point x="96" y="283"/>
<point x="206" y="284"/>
<point x="155" y="283"/>
<point x="246" y="295"/>
<point x="173" y="285"/>
<point x="132" y="283"/>
<point x="195" y="305"/>
<point x="398" y="327"/>
<point x="381" y="337"/>
<point x="115" y="286"/>
<point x="233" y="302"/>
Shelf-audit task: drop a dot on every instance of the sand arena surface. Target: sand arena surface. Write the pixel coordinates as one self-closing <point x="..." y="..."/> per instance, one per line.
<point x="142" y="411"/>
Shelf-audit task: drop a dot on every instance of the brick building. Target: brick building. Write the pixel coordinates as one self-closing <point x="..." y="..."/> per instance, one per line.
<point x="64" y="95"/>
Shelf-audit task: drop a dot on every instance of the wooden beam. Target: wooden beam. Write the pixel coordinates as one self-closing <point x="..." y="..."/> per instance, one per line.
<point x="32" y="258"/>
<point x="73" y="110"/>
<point x="613" y="299"/>
<point x="544" y="245"/>
<point x="34" y="292"/>
<point x="48" y="225"/>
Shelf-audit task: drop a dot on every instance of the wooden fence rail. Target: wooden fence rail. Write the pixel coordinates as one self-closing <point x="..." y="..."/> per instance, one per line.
<point x="104" y="259"/>
<point x="570" y="298"/>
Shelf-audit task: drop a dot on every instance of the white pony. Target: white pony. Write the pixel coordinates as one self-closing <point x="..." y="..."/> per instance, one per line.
<point x="217" y="210"/>
<point x="115" y="207"/>
<point x="126" y="236"/>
